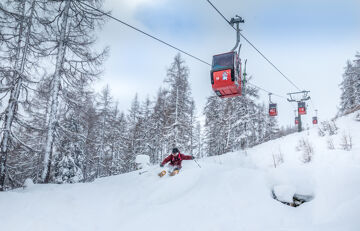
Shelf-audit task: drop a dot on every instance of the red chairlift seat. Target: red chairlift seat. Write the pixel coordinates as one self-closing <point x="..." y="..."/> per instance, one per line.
<point x="301" y="108"/>
<point x="315" y="120"/>
<point x="226" y="75"/>
<point x="272" y="109"/>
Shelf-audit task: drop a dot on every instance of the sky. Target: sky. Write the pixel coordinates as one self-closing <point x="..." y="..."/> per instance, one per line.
<point x="308" y="40"/>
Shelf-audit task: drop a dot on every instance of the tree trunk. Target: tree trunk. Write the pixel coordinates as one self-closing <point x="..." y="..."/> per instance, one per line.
<point x="54" y="95"/>
<point x="15" y="92"/>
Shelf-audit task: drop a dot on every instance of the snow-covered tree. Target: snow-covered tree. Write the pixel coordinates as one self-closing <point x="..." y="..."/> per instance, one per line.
<point x="21" y="44"/>
<point x="236" y="123"/>
<point x="158" y="130"/>
<point x="70" y="156"/>
<point x="135" y="140"/>
<point x="72" y="31"/>
<point x="350" y="87"/>
<point x="179" y="106"/>
<point x="118" y="141"/>
<point x="104" y="127"/>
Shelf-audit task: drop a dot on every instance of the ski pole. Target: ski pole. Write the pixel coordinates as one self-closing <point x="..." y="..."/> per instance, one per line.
<point x="142" y="172"/>
<point x="197" y="163"/>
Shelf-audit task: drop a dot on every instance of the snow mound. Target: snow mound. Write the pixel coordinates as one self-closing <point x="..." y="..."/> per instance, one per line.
<point x="143" y="161"/>
<point x="28" y="183"/>
<point x="284" y="193"/>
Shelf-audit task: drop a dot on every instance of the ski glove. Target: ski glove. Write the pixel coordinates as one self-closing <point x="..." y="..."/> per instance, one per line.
<point x="192" y="157"/>
<point x="161" y="165"/>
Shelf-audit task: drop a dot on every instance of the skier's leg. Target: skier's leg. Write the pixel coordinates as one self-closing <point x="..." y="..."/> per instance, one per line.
<point x="170" y="168"/>
<point x="175" y="171"/>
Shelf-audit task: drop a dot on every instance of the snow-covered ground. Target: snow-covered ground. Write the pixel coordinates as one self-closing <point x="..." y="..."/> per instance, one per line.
<point x="228" y="192"/>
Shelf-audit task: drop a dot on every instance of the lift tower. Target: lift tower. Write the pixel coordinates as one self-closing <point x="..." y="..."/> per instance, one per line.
<point x="293" y="97"/>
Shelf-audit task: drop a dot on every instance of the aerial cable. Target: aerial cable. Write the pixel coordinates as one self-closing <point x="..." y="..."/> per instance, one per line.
<point x="247" y="40"/>
<point x="143" y="32"/>
<point x="262" y="89"/>
<point x="161" y="41"/>
<point x="314" y="108"/>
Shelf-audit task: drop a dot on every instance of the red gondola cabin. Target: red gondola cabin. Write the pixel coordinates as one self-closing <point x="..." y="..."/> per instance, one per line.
<point x="272" y="109"/>
<point x="226" y="75"/>
<point x="296" y="120"/>
<point x="302" y="108"/>
<point x="315" y="120"/>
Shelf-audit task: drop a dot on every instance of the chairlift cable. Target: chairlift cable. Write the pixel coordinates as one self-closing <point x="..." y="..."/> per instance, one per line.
<point x="260" y="88"/>
<point x="161" y="41"/>
<point x="143" y="32"/>
<point x="313" y="106"/>
<point x="252" y="45"/>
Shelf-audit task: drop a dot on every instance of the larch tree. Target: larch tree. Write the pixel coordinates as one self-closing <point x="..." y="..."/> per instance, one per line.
<point x="22" y="46"/>
<point x="73" y="35"/>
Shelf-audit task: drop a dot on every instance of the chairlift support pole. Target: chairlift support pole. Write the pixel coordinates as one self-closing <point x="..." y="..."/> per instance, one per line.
<point x="300" y="123"/>
<point x="304" y="98"/>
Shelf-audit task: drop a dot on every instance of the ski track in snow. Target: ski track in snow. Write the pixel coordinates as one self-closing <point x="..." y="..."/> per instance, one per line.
<point x="229" y="192"/>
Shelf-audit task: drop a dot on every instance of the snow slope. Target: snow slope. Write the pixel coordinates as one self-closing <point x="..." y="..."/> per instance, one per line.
<point x="229" y="192"/>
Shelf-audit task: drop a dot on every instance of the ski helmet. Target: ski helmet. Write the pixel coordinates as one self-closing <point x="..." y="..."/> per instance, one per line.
<point x="175" y="150"/>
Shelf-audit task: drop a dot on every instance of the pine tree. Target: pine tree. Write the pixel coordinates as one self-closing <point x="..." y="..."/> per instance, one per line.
<point x="146" y="111"/>
<point x="236" y="123"/>
<point x="179" y="106"/>
<point x="135" y="136"/>
<point x="350" y="87"/>
<point x="347" y="86"/>
<point x="357" y="79"/>
<point x="213" y="139"/>
<point x="70" y="157"/>
<point x="158" y="129"/>
<point x="118" y="141"/>
<point x="104" y="127"/>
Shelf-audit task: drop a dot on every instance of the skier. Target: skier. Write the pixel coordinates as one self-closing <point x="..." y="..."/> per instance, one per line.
<point x="175" y="162"/>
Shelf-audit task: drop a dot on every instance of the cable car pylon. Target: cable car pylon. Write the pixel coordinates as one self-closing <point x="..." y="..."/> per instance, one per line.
<point x="301" y="105"/>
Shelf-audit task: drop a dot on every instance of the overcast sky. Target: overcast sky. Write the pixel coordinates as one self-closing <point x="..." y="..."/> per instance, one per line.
<point x="308" y="40"/>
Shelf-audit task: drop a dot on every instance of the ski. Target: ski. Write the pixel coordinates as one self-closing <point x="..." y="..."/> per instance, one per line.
<point x="162" y="173"/>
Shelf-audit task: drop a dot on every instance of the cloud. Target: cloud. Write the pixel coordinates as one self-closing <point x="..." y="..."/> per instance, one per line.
<point x="309" y="41"/>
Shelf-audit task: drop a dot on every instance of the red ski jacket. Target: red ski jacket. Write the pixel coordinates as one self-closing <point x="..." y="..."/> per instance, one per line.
<point x="176" y="160"/>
